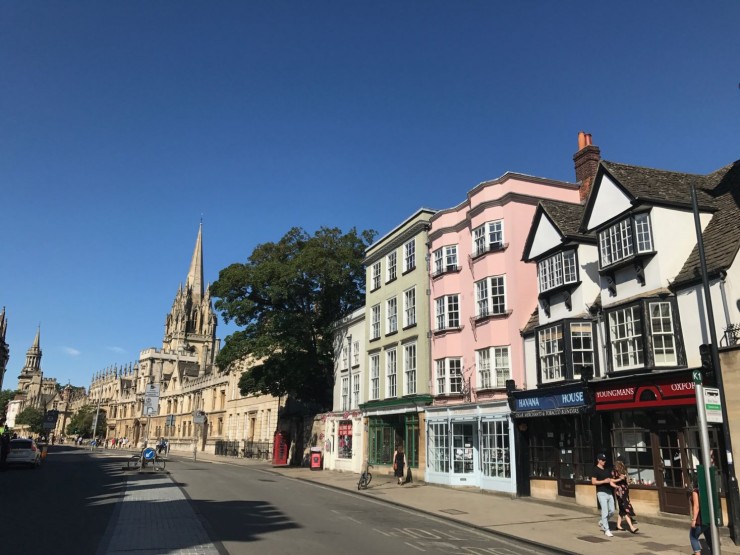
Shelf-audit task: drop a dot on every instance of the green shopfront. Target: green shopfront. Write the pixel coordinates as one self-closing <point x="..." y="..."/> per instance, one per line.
<point x="394" y="422"/>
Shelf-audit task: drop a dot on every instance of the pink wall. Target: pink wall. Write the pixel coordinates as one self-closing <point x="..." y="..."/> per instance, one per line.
<point x="521" y="279"/>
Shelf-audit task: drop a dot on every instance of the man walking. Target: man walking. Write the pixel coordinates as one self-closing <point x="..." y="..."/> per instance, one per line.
<point x="602" y="479"/>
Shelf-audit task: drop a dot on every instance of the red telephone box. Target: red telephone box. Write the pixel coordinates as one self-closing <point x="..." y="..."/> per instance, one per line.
<point x="280" y="449"/>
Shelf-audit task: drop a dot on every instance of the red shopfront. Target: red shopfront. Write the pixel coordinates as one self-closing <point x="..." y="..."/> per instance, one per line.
<point x="652" y="426"/>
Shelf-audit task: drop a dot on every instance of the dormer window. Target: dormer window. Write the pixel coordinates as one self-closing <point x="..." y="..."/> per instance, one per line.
<point x="625" y="239"/>
<point x="557" y="270"/>
<point x="445" y="260"/>
<point x="488" y="237"/>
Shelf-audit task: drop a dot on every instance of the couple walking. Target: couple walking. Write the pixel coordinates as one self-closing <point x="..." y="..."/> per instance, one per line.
<point x="608" y="483"/>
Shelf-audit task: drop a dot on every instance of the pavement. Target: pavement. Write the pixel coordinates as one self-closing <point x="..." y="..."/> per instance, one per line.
<point x="562" y="526"/>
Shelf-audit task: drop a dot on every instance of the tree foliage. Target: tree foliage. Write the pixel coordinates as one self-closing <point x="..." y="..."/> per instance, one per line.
<point x="287" y="297"/>
<point x="6" y="395"/>
<point x="33" y="418"/>
<point x="82" y="422"/>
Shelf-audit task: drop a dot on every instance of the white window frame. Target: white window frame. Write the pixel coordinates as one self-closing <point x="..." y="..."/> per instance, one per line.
<point x="625" y="238"/>
<point x="391" y="266"/>
<point x="662" y="334"/>
<point x="483" y="364"/>
<point x="440" y="371"/>
<point x="490" y="296"/>
<point x="409" y="307"/>
<point x="556" y="270"/>
<point x="486" y="236"/>
<point x="494" y="367"/>
<point x="448" y="312"/>
<point x="577" y="350"/>
<point x="449" y="375"/>
<point x="409" y="368"/>
<point x="356" y="353"/>
<point x="551" y="345"/>
<point x="409" y="256"/>
<point x="375" y="376"/>
<point x="375" y="322"/>
<point x="626" y="337"/>
<point x="345" y="393"/>
<point x="355" y="403"/>
<point x="375" y="276"/>
<point x="391" y="313"/>
<point x="391" y="373"/>
<point x="445" y="260"/>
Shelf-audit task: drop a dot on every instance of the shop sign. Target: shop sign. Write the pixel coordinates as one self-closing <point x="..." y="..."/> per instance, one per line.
<point x="658" y="393"/>
<point x="558" y="403"/>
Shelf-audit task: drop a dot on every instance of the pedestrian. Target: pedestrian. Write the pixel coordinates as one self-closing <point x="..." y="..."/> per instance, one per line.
<point x="4" y="449"/>
<point x="602" y="479"/>
<point x="399" y="463"/>
<point x="620" y="478"/>
<point x="698" y="526"/>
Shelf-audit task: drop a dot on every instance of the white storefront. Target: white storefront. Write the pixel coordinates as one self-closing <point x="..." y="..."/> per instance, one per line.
<point x="471" y="445"/>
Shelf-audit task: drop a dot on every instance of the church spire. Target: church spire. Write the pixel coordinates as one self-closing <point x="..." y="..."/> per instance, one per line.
<point x="33" y="356"/>
<point x="195" y="274"/>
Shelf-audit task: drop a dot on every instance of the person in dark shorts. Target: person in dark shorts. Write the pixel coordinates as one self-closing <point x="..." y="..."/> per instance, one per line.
<point x="399" y="464"/>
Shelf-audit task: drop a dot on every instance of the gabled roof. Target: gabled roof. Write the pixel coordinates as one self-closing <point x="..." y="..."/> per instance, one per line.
<point x="650" y="186"/>
<point x="722" y="234"/>
<point x="566" y="217"/>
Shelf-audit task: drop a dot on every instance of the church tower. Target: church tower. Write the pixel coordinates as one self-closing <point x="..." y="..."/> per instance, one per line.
<point x="190" y="327"/>
<point x="32" y="368"/>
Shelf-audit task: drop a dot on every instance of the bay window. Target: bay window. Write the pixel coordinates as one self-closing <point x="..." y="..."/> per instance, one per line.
<point x="445" y="260"/>
<point x="448" y="312"/>
<point x="557" y="270"/>
<point x="489" y="236"/>
<point x="625" y="238"/>
<point x="490" y="296"/>
<point x="493" y="367"/>
<point x="564" y="350"/>
<point x="449" y="376"/>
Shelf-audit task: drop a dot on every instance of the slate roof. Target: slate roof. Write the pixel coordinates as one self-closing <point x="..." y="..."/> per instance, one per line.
<point x="566" y="216"/>
<point x="532" y="323"/>
<point x="661" y="186"/>
<point x="722" y="234"/>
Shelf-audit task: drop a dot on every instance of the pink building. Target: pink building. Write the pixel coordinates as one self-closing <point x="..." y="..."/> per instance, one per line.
<point x="481" y="295"/>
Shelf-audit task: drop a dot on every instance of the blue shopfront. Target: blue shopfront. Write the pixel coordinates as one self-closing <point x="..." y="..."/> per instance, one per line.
<point x="552" y="437"/>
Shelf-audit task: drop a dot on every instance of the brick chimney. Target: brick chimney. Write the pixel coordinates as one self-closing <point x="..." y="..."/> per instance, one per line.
<point x="586" y="161"/>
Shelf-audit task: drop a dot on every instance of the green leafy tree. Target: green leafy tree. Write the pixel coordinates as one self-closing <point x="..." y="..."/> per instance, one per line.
<point x="82" y="422"/>
<point x="33" y="418"/>
<point x="287" y="297"/>
<point x="6" y="395"/>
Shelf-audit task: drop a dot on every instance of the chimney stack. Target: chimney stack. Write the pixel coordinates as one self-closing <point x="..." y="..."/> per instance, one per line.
<point x="586" y="162"/>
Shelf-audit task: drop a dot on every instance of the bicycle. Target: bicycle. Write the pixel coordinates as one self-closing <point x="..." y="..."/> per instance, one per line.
<point x="365" y="478"/>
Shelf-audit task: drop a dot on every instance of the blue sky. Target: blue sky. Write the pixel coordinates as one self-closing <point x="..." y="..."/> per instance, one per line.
<point x="123" y="123"/>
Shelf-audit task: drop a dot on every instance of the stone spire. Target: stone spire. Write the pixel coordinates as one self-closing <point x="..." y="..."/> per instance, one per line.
<point x="4" y="349"/>
<point x="33" y="363"/>
<point x="194" y="281"/>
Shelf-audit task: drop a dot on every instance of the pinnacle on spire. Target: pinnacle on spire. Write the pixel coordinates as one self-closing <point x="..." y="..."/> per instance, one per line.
<point x="37" y="339"/>
<point x="195" y="274"/>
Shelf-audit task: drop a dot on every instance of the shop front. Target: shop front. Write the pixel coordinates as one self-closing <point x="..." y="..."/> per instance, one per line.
<point x="553" y="436"/>
<point x="471" y="445"/>
<point x="650" y="422"/>
<point x="395" y="422"/>
<point x="342" y="441"/>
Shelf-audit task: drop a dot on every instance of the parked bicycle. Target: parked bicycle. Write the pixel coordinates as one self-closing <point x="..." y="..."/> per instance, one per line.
<point x="365" y="478"/>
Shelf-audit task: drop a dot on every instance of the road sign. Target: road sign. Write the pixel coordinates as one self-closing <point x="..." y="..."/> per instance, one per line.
<point x="713" y="405"/>
<point x="199" y="417"/>
<point x="151" y="399"/>
<point x="697" y="376"/>
<point x="170" y="420"/>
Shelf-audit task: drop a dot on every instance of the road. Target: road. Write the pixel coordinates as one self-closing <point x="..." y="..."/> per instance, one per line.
<point x="62" y="507"/>
<point x="67" y="506"/>
<point x="249" y="509"/>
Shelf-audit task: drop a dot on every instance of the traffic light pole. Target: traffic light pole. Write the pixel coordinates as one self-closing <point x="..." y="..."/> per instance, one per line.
<point x="733" y="491"/>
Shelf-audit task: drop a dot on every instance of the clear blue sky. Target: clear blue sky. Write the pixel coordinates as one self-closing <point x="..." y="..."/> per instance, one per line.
<point x="121" y="123"/>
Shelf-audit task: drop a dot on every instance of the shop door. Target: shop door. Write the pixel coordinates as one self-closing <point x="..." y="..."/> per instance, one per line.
<point x="464" y="453"/>
<point x="672" y="467"/>
<point x="566" y="473"/>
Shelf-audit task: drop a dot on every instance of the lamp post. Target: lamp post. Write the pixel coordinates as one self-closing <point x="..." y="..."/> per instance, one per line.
<point x="733" y="489"/>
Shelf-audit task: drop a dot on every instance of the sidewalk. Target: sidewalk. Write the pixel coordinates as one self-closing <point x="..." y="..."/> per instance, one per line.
<point x="567" y="527"/>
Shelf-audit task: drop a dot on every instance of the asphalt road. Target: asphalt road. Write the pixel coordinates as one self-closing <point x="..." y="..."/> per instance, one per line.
<point x="63" y="506"/>
<point x="250" y="510"/>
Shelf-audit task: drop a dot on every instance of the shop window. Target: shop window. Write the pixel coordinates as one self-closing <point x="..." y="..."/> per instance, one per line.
<point x="344" y="440"/>
<point x="438" y="447"/>
<point x="495" y="449"/>
<point x="388" y="431"/>
<point x="632" y="444"/>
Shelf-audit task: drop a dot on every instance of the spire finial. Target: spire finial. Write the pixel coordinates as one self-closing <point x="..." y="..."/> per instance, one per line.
<point x="194" y="281"/>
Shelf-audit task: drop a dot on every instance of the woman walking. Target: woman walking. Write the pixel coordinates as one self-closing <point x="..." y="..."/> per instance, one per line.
<point x="399" y="464"/>
<point x="620" y="478"/>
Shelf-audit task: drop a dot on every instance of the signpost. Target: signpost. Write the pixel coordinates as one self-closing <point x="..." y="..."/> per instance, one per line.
<point x="199" y="418"/>
<point x="151" y="404"/>
<point x="705" y="459"/>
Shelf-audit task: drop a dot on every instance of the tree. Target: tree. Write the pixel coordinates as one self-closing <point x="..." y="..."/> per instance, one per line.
<point x="6" y="395"/>
<point x="33" y="418"/>
<point x="287" y="297"/>
<point x="82" y="422"/>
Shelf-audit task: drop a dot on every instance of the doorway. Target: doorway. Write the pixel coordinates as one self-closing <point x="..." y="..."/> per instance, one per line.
<point x="464" y="453"/>
<point x="673" y="470"/>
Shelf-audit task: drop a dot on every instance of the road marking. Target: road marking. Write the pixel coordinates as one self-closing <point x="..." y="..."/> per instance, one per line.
<point x="415" y="546"/>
